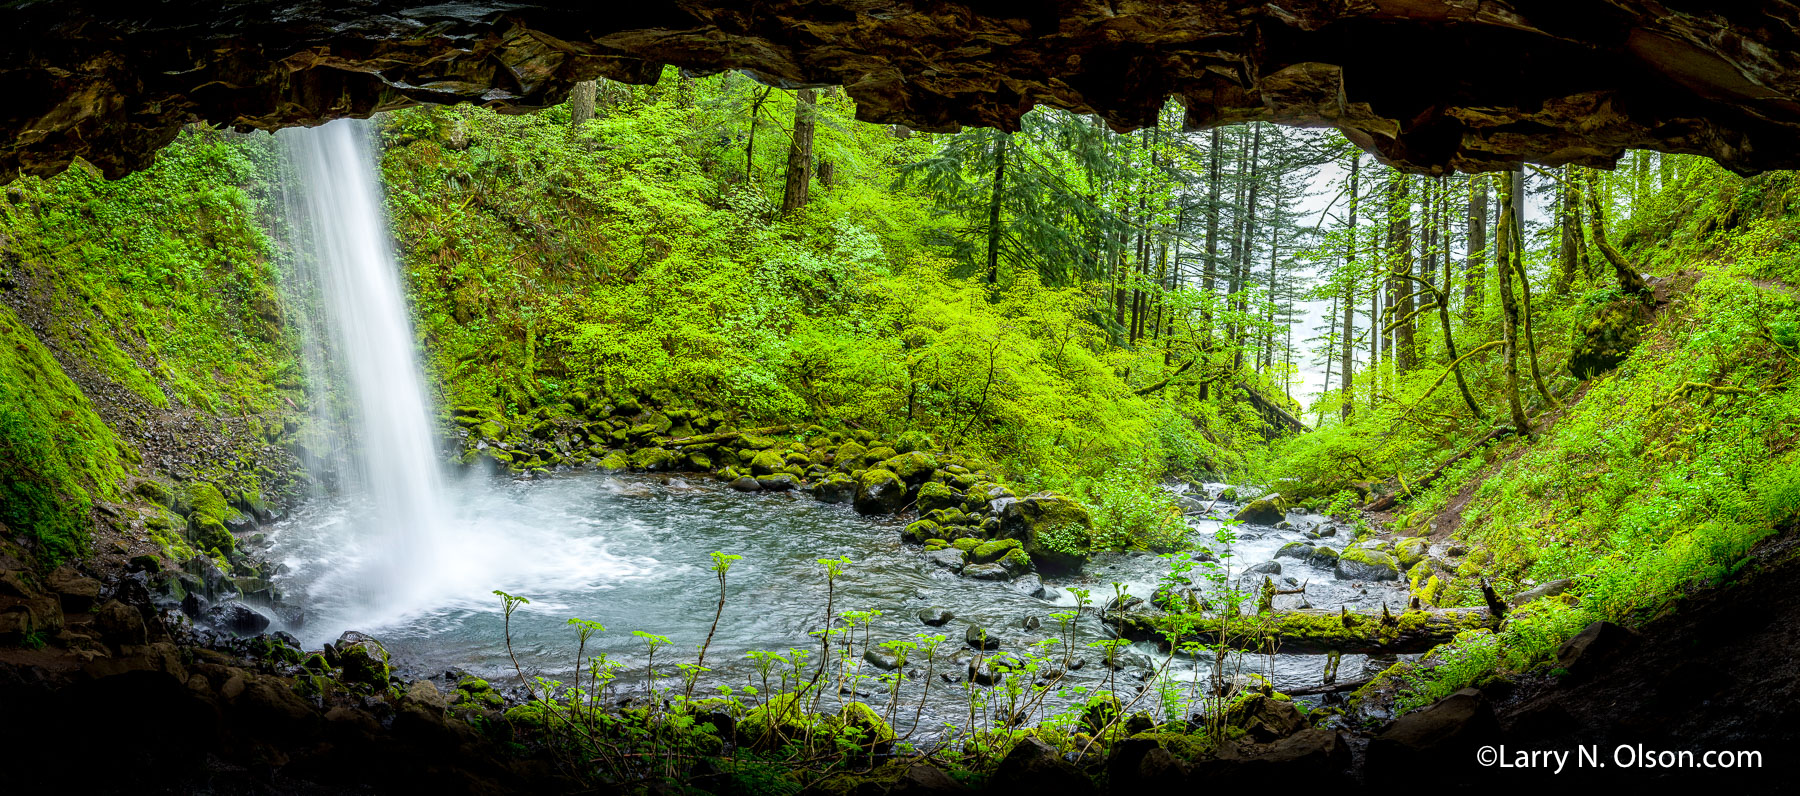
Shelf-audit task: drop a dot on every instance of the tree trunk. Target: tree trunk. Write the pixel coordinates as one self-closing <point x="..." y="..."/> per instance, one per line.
<point x="1566" y="261"/>
<point x="1629" y="281"/>
<point x="1474" y="271"/>
<point x="1400" y="226"/>
<point x="581" y="102"/>
<point x="799" y="164"/>
<point x="1209" y="275"/>
<point x="1509" y="310"/>
<point x="1242" y="272"/>
<point x="750" y="147"/>
<point x="996" y="198"/>
<point x="1347" y="364"/>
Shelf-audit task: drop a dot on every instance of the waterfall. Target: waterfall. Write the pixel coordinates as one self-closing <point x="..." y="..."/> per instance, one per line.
<point x="342" y="244"/>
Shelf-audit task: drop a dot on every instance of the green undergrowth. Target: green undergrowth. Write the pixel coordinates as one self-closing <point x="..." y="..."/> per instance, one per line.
<point x="1665" y="474"/>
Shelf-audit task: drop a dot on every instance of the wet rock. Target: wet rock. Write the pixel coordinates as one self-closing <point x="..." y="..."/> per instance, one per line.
<point x="1265" y="568"/>
<point x="237" y="619"/>
<point x="1055" y="530"/>
<point x="993" y="669"/>
<point x="949" y="558"/>
<point x="364" y="660"/>
<point x="922" y="531"/>
<point x="882" y="660"/>
<point x="746" y="484"/>
<point x="925" y="780"/>
<point x="880" y="492"/>
<point x="1315" y="757"/>
<point x="1411" y="551"/>
<point x="1266" y="510"/>
<point x="1033" y="586"/>
<point x="1264" y="718"/>
<point x="986" y="572"/>
<point x="1357" y="563"/>
<point x="979" y="638"/>
<point x="991" y="552"/>
<point x="1035" y="767"/>
<point x="914" y="468"/>
<point x="119" y="623"/>
<point x="936" y="617"/>
<point x="778" y="482"/>
<point x="835" y="488"/>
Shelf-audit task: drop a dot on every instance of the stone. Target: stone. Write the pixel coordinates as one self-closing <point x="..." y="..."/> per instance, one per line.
<point x="949" y="558"/>
<point x="364" y="660"/>
<point x="766" y="462"/>
<point x="1264" y="718"/>
<point x="986" y="572"/>
<point x="1265" y="568"/>
<point x="914" y="468"/>
<point x="1358" y="563"/>
<point x="881" y="659"/>
<point x="1266" y="510"/>
<point x="1055" y="530"/>
<point x="119" y="623"/>
<point x="880" y="492"/>
<point x="936" y="617"/>
<point x="924" y="780"/>
<point x="990" y="552"/>
<point x="921" y="531"/>
<point x="236" y="618"/>
<point x="746" y="484"/>
<point x="979" y="638"/>
<point x="993" y="669"/>
<point x="934" y="496"/>
<point x="1411" y="551"/>
<point x="835" y="488"/>
<point x="77" y="592"/>
<point x="777" y="482"/>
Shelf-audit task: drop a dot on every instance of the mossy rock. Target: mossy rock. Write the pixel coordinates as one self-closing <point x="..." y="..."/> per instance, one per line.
<point x="922" y="531"/>
<point x="913" y="468"/>
<point x="209" y="533"/>
<point x="880" y="492"/>
<point x="655" y="460"/>
<point x="849" y="455"/>
<point x="878" y="454"/>
<point x="770" y="725"/>
<point x="947" y="516"/>
<point x="154" y="492"/>
<point x="1016" y="562"/>
<point x="911" y="441"/>
<point x="835" y="488"/>
<point x="967" y="543"/>
<point x="864" y="725"/>
<point x="1411" y="551"/>
<point x="989" y="552"/>
<point x="1360" y="563"/>
<point x="699" y="462"/>
<point x="615" y="462"/>
<point x="204" y="499"/>
<point x="933" y="496"/>
<point x="1604" y="339"/>
<point x="364" y="660"/>
<point x="767" y="462"/>
<point x="1055" y="530"/>
<point x="1266" y="510"/>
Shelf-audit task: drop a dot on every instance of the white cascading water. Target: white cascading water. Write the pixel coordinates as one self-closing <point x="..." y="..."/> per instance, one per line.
<point x="401" y="549"/>
<point x="343" y="233"/>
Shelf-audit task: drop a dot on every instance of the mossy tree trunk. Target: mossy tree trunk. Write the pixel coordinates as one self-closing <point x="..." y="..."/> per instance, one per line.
<point x="799" y="163"/>
<point x="1509" y="308"/>
<point x="1629" y="280"/>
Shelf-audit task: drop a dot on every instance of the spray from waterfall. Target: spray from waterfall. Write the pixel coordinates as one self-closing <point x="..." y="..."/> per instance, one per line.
<point x="341" y="241"/>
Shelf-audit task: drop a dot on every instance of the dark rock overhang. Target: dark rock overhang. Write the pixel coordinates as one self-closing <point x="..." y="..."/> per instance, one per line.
<point x="1426" y="85"/>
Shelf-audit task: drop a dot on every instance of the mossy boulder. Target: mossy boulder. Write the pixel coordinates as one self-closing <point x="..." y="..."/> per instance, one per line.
<point x="922" y="531"/>
<point x="1266" y="510"/>
<point x="878" y="454"/>
<point x="861" y="725"/>
<point x="849" y="456"/>
<point x="1054" y="529"/>
<point x="1411" y="551"/>
<point x="835" y="488"/>
<point x="947" y="516"/>
<point x="154" y="492"/>
<point x="769" y="725"/>
<point x="880" y="492"/>
<point x="655" y="460"/>
<point x="913" y="468"/>
<point x="210" y="534"/>
<point x="933" y="496"/>
<point x="1016" y="562"/>
<point x="364" y="660"/>
<point x="1361" y="563"/>
<point x="1606" y="337"/>
<point x="989" y="552"/>
<point x="777" y="482"/>
<point x="615" y="462"/>
<point x="766" y="462"/>
<point x="698" y="461"/>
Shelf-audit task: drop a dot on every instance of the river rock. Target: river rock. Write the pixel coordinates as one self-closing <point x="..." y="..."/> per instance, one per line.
<point x="986" y="572"/>
<point x="882" y="660"/>
<point x="363" y="659"/>
<point x="993" y="669"/>
<point x="237" y="619"/>
<point x="77" y="591"/>
<point x="1411" y="551"/>
<point x="777" y="482"/>
<point x="1266" y="510"/>
<point x="936" y="617"/>
<point x="835" y="488"/>
<point x="979" y="638"/>
<point x="880" y="492"/>
<point x="119" y="623"/>
<point x="1033" y="586"/>
<point x="921" y="531"/>
<point x="1433" y="743"/>
<point x="949" y="558"/>
<point x="1055" y="530"/>
<point x="914" y="468"/>
<point x="1359" y="563"/>
<point x="1265" y="568"/>
<point x="746" y="484"/>
<point x="934" y="496"/>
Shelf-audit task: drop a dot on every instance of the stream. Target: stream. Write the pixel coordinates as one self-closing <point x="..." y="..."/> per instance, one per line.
<point x="632" y="552"/>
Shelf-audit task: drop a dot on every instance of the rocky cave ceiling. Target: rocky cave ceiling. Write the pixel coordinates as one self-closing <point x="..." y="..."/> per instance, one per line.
<point x="1426" y="85"/>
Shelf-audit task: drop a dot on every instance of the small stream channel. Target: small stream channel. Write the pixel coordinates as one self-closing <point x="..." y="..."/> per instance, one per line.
<point x="632" y="552"/>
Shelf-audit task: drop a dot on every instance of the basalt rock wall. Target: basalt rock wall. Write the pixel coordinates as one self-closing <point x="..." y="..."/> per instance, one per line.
<point x="1427" y="85"/>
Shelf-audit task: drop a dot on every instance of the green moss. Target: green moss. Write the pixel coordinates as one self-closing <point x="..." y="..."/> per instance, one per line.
<point x="989" y="552"/>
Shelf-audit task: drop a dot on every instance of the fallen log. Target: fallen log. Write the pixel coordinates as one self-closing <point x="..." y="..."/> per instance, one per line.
<point x="1329" y="688"/>
<point x="1305" y="632"/>
<point x="1277" y="416"/>
<point x="723" y="436"/>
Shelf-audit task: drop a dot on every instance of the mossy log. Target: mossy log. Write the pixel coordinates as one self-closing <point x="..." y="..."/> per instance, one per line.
<point x="724" y="436"/>
<point x="1310" y="632"/>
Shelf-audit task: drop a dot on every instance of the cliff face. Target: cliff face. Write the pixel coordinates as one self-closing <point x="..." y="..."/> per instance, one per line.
<point x="1428" y="85"/>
